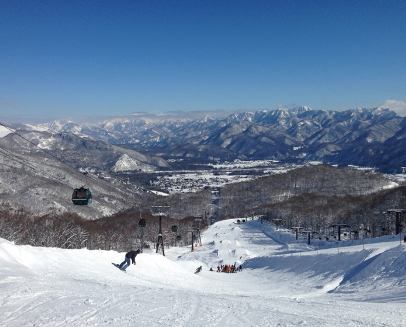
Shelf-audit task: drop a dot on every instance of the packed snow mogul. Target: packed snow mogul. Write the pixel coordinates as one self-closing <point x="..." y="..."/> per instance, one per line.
<point x="130" y="255"/>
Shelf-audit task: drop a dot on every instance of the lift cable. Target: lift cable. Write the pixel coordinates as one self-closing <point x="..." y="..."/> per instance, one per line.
<point x="8" y="154"/>
<point x="26" y="163"/>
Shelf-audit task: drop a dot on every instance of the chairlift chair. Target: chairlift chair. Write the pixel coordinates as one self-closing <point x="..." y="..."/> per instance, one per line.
<point x="81" y="196"/>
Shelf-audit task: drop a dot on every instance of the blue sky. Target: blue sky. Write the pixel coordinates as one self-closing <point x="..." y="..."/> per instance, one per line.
<point x="71" y="58"/>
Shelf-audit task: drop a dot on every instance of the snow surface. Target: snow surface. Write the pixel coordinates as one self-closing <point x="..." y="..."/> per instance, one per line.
<point x="126" y="163"/>
<point x="284" y="282"/>
<point x="4" y="131"/>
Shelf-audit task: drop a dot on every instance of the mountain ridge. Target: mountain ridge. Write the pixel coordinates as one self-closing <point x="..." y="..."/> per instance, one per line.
<point x="281" y="134"/>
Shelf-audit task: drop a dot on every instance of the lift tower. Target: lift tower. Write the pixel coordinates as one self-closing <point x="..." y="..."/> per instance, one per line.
<point x="160" y="211"/>
<point x="398" y="216"/>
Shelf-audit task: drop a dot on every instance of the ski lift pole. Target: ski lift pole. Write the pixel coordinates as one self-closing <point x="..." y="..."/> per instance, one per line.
<point x="160" y="211"/>
<point x="398" y="213"/>
<point x="198" y="237"/>
<point x="193" y="249"/>
<point x="142" y="240"/>
<point x="175" y="230"/>
<point x="297" y="231"/>
<point x="160" y="241"/>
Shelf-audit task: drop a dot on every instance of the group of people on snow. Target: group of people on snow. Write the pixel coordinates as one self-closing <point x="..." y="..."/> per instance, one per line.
<point x="229" y="268"/>
<point x="130" y="256"/>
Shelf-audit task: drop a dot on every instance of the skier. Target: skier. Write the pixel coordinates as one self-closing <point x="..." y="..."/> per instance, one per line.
<point x="130" y="255"/>
<point x="198" y="270"/>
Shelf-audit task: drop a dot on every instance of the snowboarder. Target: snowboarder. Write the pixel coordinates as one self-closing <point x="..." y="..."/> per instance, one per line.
<point x="130" y="255"/>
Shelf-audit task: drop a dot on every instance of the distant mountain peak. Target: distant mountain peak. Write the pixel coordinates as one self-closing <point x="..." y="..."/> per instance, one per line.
<point x="261" y="134"/>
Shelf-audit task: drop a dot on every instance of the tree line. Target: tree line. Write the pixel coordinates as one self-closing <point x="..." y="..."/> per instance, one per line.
<point x="240" y="199"/>
<point x="364" y="215"/>
<point x="312" y="197"/>
<point x="121" y="232"/>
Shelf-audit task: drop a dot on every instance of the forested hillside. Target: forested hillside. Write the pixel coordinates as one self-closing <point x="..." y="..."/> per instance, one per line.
<point x="312" y="197"/>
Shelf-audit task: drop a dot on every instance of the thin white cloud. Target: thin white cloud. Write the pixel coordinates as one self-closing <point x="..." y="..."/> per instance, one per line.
<point x="397" y="106"/>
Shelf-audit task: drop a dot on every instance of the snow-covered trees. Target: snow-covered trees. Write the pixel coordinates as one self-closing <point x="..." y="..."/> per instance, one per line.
<point x="313" y="197"/>
<point x="69" y="231"/>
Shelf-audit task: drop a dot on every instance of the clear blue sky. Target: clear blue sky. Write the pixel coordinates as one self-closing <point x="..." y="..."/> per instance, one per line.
<point x="71" y="58"/>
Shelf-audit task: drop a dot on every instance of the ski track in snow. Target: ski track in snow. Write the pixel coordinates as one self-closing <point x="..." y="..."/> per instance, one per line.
<point x="284" y="282"/>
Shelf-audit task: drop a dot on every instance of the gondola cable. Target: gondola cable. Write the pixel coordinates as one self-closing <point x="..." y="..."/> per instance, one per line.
<point x="25" y="163"/>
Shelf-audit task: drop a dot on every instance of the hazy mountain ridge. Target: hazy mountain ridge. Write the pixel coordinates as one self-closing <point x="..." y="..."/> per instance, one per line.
<point x="283" y="134"/>
<point x="78" y="152"/>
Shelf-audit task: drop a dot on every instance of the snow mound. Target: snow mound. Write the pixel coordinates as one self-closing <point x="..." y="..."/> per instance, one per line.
<point x="126" y="163"/>
<point x="383" y="272"/>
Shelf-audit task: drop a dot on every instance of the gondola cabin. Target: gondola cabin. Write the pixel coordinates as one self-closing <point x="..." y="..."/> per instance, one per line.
<point x="81" y="196"/>
<point x="179" y="238"/>
<point x="174" y="229"/>
<point x="142" y="223"/>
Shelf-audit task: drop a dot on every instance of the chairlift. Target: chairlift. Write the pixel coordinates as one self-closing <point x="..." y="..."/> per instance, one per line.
<point x="81" y="196"/>
<point x="142" y="223"/>
<point x="174" y="229"/>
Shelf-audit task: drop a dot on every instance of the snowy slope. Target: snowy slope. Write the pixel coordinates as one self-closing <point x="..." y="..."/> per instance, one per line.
<point x="284" y="282"/>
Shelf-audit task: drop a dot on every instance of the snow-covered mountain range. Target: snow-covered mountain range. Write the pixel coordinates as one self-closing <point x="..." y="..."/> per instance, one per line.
<point x="42" y="164"/>
<point x="368" y="137"/>
<point x="39" y="170"/>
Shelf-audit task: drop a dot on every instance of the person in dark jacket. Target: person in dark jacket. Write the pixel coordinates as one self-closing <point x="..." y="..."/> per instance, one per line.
<point x="130" y="255"/>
